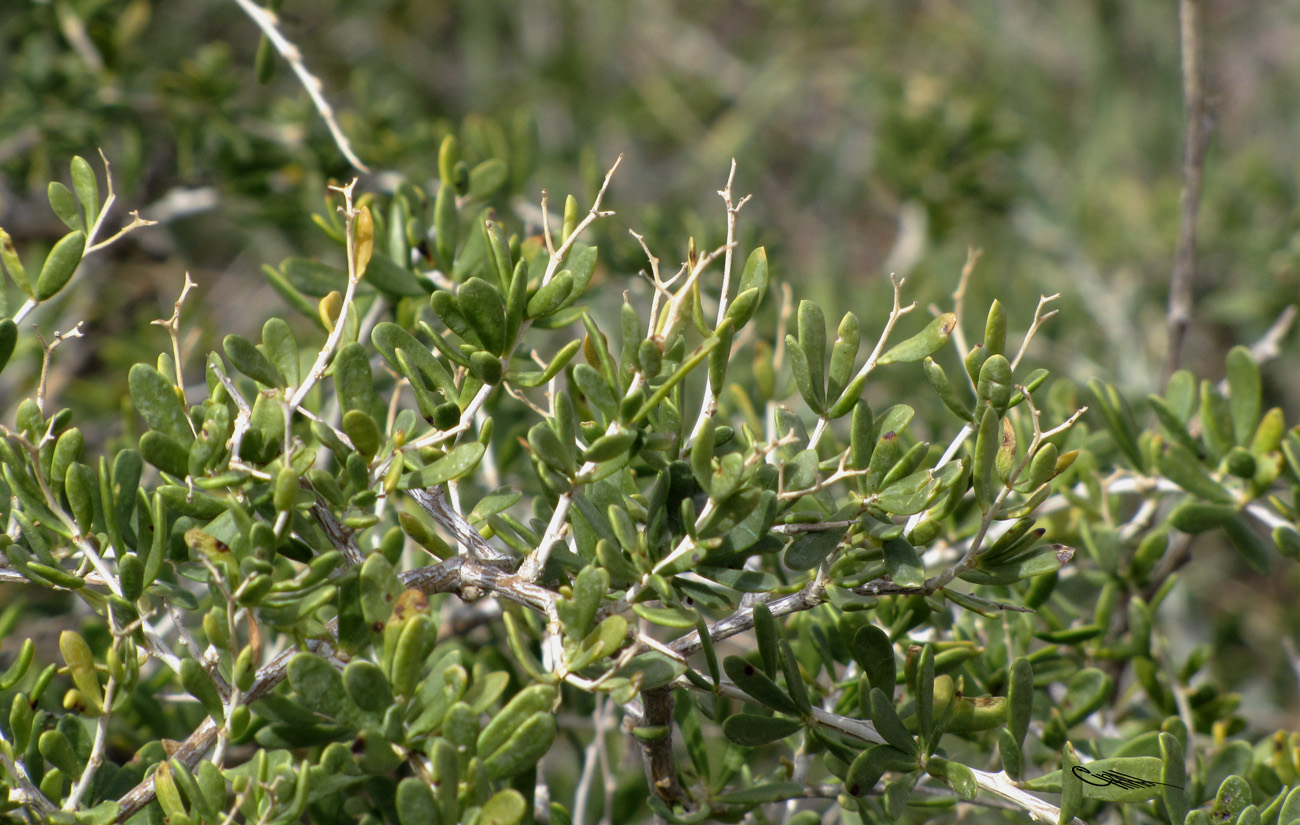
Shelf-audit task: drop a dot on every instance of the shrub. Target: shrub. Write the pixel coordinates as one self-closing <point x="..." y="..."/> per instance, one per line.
<point x="470" y="539"/>
<point x="470" y="515"/>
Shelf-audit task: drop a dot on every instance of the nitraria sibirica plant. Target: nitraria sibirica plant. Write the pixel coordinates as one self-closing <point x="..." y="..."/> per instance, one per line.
<point x="490" y="529"/>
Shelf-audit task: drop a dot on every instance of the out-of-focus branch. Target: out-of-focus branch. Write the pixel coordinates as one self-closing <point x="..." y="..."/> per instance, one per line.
<point x="1195" y="141"/>
<point x="266" y="21"/>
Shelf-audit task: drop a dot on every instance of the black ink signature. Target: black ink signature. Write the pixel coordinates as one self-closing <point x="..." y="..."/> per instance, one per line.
<point x="1119" y="780"/>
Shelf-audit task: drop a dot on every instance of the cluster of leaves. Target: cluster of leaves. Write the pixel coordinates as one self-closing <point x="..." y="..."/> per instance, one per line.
<point x="291" y="545"/>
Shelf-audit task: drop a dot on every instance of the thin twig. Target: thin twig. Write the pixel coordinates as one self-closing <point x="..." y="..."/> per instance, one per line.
<point x="96" y="749"/>
<point x="709" y="405"/>
<point x="48" y="350"/>
<point x="959" y="298"/>
<point x="266" y="21"/>
<point x="557" y="256"/>
<point x="354" y="277"/>
<point x="1039" y="318"/>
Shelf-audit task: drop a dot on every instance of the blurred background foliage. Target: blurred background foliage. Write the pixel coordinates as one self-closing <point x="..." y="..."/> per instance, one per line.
<point x="874" y="136"/>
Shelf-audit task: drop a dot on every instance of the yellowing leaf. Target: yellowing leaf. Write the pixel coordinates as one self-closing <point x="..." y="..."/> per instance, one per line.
<point x="365" y="235"/>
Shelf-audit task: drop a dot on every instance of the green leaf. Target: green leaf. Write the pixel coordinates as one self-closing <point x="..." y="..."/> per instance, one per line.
<point x="1244" y="393"/>
<point x="416" y="804"/>
<point x="198" y="684"/>
<point x="64" y="204"/>
<point x="14" y="264"/>
<point x="926" y="342"/>
<point x="1290" y="811"/>
<point x="995" y="384"/>
<point x="987" y="441"/>
<point x="1287" y="539"/>
<point x="391" y="278"/>
<point x="1020" y="698"/>
<point x="759" y="685"/>
<point x="280" y="347"/>
<point x="610" y="446"/>
<point x="888" y="724"/>
<point x="811" y="548"/>
<point x="559" y="362"/>
<point x="1216" y="421"/>
<point x="159" y="403"/>
<point x="755" y="274"/>
<point x="446" y="226"/>
<point x="687" y="366"/>
<point x="767" y="636"/>
<point x="363" y="432"/>
<point x="904" y="565"/>
<point x="767" y="792"/>
<point x="751" y="730"/>
<point x="795" y="683"/>
<point x="1038" y="562"/>
<point x="1249" y="544"/>
<point x="1125" y="779"/>
<point x="535" y="699"/>
<point x="871" y="765"/>
<point x="874" y="652"/>
<point x="955" y="775"/>
<point x="388" y="338"/>
<point x="506" y="807"/>
<point x="947" y="394"/>
<point x="1173" y="776"/>
<point x="1009" y="754"/>
<point x="741" y="310"/>
<point x="552" y="296"/>
<point x="353" y="380"/>
<point x="8" y="340"/>
<point x="1086" y="692"/>
<point x="589" y="589"/>
<point x="249" y="360"/>
<point x="60" y="265"/>
<point x="995" y="329"/>
<point x="319" y="686"/>
<point x="86" y="185"/>
<point x="581" y="263"/>
<point x="1072" y="786"/>
<point x="1042" y="467"/>
<point x="18" y="667"/>
<point x="486" y="367"/>
<point x="896" y="796"/>
<point x="485" y="312"/>
<point x="1171" y="425"/>
<point x="593" y="385"/>
<point x="459" y="461"/>
<point x="313" y="278"/>
<point x="81" y="488"/>
<point x="487" y="177"/>
<point x="848" y="339"/>
<point x="805" y="379"/>
<point x="380" y="588"/>
<point x="671" y="616"/>
<point x="367" y="686"/>
<point x="811" y="329"/>
<point x="1119" y="420"/>
<point x="81" y="664"/>
<point x="924" y="689"/>
<point x="1181" y="467"/>
<point x="57" y="749"/>
<point x="1192" y="516"/>
<point x="527" y="744"/>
